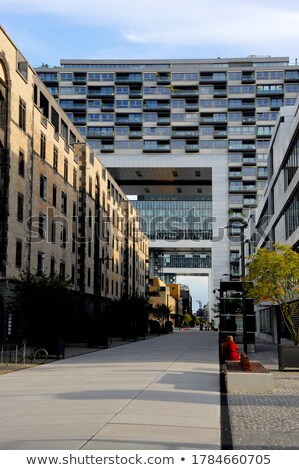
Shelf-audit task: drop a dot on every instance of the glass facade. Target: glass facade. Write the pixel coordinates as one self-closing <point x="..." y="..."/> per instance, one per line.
<point x="176" y="219"/>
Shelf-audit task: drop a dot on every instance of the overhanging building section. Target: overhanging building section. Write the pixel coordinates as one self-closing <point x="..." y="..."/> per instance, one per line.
<point x="178" y="131"/>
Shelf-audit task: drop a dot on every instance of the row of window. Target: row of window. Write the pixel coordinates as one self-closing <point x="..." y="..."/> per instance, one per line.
<point x="206" y="90"/>
<point x="292" y="163"/>
<point x="111" y="286"/>
<point x="192" y="76"/>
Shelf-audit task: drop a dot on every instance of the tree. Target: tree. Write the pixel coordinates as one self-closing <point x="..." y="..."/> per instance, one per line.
<point x="162" y="312"/>
<point x="128" y="316"/>
<point x="43" y="305"/>
<point x="273" y="276"/>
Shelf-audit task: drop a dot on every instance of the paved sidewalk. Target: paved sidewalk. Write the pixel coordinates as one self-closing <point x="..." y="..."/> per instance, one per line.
<point x="162" y="393"/>
<point x="267" y="420"/>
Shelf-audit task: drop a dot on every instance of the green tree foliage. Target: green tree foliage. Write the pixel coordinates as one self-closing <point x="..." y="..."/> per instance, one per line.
<point x="128" y="316"/>
<point x="42" y="305"/>
<point x="162" y="312"/>
<point x="273" y="276"/>
<point x="187" y="319"/>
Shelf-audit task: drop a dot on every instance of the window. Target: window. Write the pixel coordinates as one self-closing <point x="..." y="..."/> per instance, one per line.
<point x="55" y="158"/>
<point x="41" y="257"/>
<point x="21" y="164"/>
<point x="42" y="225"/>
<point x="42" y="146"/>
<point x="88" y="277"/>
<point x="292" y="215"/>
<point x="43" y="187"/>
<point x="20" y="209"/>
<point x="62" y="236"/>
<point x="53" y="231"/>
<point x="90" y="186"/>
<point x="18" y="253"/>
<point x="65" y="169"/>
<point x="54" y="196"/>
<point x="52" y="266"/>
<point x="22" y="115"/>
<point x="62" y="269"/>
<point x="22" y="65"/>
<point x="75" y="179"/>
<point x="63" y="203"/>
<point x="74" y="211"/>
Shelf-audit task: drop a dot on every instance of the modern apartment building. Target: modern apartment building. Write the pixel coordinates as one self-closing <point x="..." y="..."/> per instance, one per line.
<point x="190" y="139"/>
<point x="277" y="215"/>
<point x="60" y="209"/>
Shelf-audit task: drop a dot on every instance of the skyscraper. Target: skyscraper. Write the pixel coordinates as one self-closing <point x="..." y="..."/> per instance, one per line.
<point x="189" y="138"/>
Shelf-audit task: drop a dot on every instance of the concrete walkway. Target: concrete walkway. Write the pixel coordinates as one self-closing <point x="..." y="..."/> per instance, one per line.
<point x="161" y="393"/>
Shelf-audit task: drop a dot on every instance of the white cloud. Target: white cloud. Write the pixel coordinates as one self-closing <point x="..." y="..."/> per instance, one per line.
<point x="270" y="26"/>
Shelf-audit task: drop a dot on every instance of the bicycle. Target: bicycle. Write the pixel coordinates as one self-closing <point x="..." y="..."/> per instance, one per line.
<point x="108" y="342"/>
<point x="35" y="354"/>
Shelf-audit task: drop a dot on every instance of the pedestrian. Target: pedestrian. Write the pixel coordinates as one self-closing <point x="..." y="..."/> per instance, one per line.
<point x="230" y="350"/>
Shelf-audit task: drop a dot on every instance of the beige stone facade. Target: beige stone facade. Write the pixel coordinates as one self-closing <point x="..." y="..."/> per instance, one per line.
<point x="60" y="209"/>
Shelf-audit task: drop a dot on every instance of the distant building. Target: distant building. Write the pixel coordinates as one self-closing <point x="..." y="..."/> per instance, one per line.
<point x="187" y="299"/>
<point x="190" y="138"/>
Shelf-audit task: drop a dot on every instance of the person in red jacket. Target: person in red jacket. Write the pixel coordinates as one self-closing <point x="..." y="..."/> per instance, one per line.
<point x="230" y="350"/>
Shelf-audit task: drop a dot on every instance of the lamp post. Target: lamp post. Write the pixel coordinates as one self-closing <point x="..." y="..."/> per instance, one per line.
<point x="242" y="236"/>
<point x="242" y="225"/>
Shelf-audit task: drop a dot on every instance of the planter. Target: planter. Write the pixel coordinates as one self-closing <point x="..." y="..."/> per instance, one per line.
<point x="258" y="379"/>
<point x="288" y="356"/>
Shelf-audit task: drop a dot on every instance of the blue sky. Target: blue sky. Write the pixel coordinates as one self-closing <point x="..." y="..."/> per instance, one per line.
<point x="46" y="31"/>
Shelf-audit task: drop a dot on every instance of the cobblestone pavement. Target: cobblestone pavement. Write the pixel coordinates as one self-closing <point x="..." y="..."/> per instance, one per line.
<point x="267" y="420"/>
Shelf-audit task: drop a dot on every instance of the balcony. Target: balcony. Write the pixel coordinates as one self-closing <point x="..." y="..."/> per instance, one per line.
<point x="248" y="120"/>
<point x="212" y="78"/>
<point x="238" y="104"/>
<point x="100" y="133"/>
<point x="185" y="133"/>
<point x="107" y="107"/>
<point x="267" y="90"/>
<point x="79" y="80"/>
<point x="107" y="148"/>
<point x="79" y="121"/>
<point x="211" y="120"/>
<point x="248" y="78"/>
<point x="192" y="148"/>
<point x="292" y="76"/>
<point x="99" y="92"/>
<point x="128" y="78"/>
<point x="220" y="134"/>
<point x="238" y="147"/>
<point x="128" y="120"/>
<point x="163" y="120"/>
<point x="135" y="93"/>
<point x="72" y="105"/>
<point x="185" y="92"/>
<point x="156" y="107"/>
<point x="163" y="79"/>
<point x="191" y="107"/>
<point x="135" y="134"/>
<point x="156" y="147"/>
<point x="220" y="93"/>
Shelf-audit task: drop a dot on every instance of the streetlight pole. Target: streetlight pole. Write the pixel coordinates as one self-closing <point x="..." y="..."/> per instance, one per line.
<point x="243" y="226"/>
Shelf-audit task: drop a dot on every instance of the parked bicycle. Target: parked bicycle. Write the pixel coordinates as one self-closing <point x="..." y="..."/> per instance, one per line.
<point x="108" y="342"/>
<point x="34" y="354"/>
